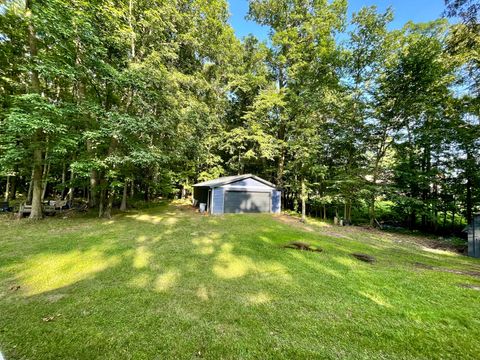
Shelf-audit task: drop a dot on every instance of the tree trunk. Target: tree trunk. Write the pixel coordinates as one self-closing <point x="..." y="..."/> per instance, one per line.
<point x="37" y="185"/>
<point x="46" y="170"/>
<point x="100" y="202"/>
<point x="7" y="189"/>
<point x="123" y="206"/>
<point x="37" y="152"/>
<point x="108" y="210"/>
<point x="32" y="42"/>
<point x="372" y="213"/>
<point x="282" y="83"/>
<point x="146" y="193"/>
<point x="239" y="165"/>
<point x="349" y="210"/>
<point x="281" y="168"/>
<point x="111" y="197"/>
<point x="372" y="210"/>
<point x="64" y="180"/>
<point x="93" y="189"/>
<point x="304" y="200"/>
<point x="93" y="197"/>
<point x="468" y="198"/>
<point x="71" y="190"/>
<point x="453" y="216"/>
<point x="107" y="190"/>
<point x="132" y="31"/>
<point x="413" y="219"/>
<point x="13" y="187"/>
<point x="30" y="189"/>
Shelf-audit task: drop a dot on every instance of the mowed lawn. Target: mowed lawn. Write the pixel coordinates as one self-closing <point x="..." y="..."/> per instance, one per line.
<point x="168" y="283"/>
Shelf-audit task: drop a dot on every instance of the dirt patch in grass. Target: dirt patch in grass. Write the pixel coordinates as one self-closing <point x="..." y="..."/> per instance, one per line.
<point x="364" y="257"/>
<point x="431" y="243"/>
<point x="328" y="230"/>
<point x="185" y="208"/>
<point x="366" y="233"/>
<point x="14" y="287"/>
<point x="451" y="271"/>
<point x="293" y="221"/>
<point x="299" y="245"/>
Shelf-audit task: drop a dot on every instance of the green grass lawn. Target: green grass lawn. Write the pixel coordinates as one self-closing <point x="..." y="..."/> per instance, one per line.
<point x="167" y="283"/>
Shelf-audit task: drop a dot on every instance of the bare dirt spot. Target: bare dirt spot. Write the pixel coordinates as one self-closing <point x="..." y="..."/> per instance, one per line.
<point x="364" y="257"/>
<point x="293" y="221"/>
<point x="451" y="271"/>
<point x="299" y="245"/>
<point x="370" y="234"/>
<point x="327" y="230"/>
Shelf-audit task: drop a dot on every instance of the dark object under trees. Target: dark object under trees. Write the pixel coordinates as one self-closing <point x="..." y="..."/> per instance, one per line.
<point x="5" y="207"/>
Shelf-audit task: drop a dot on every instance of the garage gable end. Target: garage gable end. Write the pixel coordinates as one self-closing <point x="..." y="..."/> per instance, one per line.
<point x="248" y="183"/>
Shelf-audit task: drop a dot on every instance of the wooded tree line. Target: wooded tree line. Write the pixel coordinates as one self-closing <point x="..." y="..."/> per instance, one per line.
<point x="113" y="100"/>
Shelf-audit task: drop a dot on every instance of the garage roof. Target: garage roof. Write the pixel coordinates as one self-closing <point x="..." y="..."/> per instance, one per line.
<point x="231" y="179"/>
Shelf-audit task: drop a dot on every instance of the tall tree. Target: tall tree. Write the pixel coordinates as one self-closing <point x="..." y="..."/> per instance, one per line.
<point x="303" y="61"/>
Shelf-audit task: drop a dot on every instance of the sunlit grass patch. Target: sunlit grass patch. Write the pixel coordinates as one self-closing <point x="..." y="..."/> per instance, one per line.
<point x="141" y="280"/>
<point x="259" y="298"/>
<point x="228" y="265"/>
<point x="376" y="298"/>
<point x="142" y="257"/>
<point x="50" y="271"/>
<point x="147" y="218"/>
<point x="166" y="280"/>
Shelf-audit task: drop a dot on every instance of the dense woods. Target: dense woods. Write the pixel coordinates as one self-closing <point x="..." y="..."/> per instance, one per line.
<point x="110" y="102"/>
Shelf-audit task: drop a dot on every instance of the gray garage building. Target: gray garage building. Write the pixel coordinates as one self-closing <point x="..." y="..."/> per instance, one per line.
<point x="237" y="194"/>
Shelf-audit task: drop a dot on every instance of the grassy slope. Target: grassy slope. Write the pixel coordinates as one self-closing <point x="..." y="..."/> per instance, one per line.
<point x="168" y="283"/>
